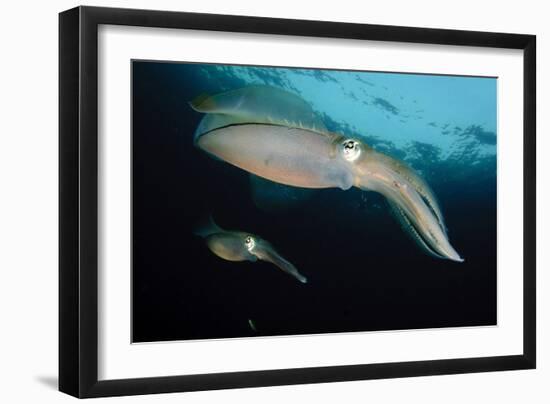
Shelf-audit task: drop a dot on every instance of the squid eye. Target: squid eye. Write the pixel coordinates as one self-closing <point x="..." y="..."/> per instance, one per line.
<point x="349" y="144"/>
<point x="249" y="242"/>
<point x="350" y="149"/>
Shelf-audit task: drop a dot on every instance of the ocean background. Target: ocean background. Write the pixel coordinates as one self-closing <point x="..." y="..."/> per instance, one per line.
<point x="365" y="273"/>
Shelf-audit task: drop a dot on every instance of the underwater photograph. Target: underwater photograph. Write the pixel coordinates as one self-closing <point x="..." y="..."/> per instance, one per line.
<point x="273" y="201"/>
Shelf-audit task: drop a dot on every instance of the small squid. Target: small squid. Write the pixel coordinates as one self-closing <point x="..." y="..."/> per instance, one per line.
<point x="241" y="246"/>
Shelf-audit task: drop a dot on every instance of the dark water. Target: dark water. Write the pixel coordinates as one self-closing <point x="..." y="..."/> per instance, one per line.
<point x="364" y="272"/>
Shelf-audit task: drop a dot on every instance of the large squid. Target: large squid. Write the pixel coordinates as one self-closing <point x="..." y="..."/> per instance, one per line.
<point x="276" y="135"/>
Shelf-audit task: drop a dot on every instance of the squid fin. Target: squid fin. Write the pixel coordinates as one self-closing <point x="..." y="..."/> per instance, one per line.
<point x="210" y="122"/>
<point x="207" y="227"/>
<point x="257" y="104"/>
<point x="203" y="103"/>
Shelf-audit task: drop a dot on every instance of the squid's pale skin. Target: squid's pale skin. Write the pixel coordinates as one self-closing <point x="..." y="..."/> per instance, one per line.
<point x="276" y="135"/>
<point x="242" y="246"/>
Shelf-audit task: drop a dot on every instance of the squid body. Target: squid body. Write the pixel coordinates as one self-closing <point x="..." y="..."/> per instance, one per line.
<point x="279" y="138"/>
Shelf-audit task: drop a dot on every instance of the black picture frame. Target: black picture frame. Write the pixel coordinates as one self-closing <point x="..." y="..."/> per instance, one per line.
<point x="78" y="201"/>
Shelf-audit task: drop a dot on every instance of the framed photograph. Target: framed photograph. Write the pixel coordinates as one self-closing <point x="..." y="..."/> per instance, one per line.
<point x="252" y="201"/>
